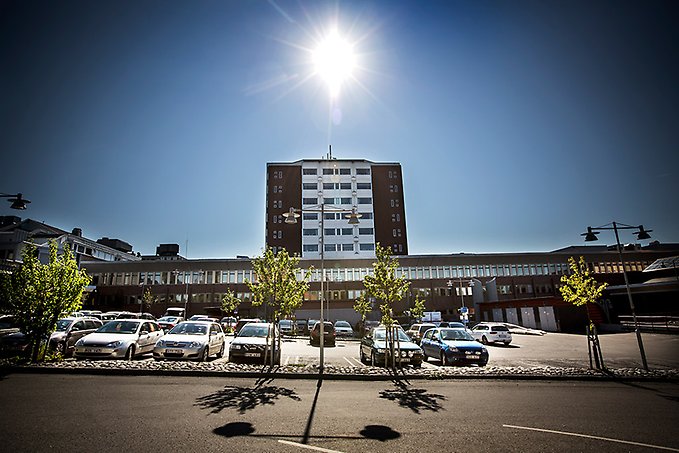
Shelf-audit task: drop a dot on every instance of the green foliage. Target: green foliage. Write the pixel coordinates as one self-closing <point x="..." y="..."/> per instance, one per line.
<point x="384" y="285"/>
<point x="362" y="306"/>
<point x="580" y="288"/>
<point x="230" y="302"/>
<point x="418" y="310"/>
<point x="277" y="284"/>
<point x="148" y="299"/>
<point x="37" y="294"/>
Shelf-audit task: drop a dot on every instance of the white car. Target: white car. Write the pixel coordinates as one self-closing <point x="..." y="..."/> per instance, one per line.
<point x="343" y="329"/>
<point x="120" y="338"/>
<point x="193" y="340"/>
<point x="69" y="330"/>
<point x="491" y="332"/>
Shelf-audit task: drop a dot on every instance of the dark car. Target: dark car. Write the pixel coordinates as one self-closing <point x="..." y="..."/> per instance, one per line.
<point x="453" y="346"/>
<point x="242" y="322"/>
<point x="374" y="348"/>
<point x="302" y="327"/>
<point x="14" y="344"/>
<point x="328" y="334"/>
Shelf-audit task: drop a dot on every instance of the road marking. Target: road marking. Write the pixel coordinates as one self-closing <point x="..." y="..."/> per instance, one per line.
<point x="591" y="437"/>
<point x="287" y="360"/>
<point x="349" y="360"/>
<point x="309" y="447"/>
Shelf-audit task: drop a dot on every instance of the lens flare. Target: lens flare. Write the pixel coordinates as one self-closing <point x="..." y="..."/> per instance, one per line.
<point x="334" y="62"/>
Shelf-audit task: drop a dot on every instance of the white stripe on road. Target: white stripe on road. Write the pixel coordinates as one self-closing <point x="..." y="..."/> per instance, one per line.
<point x="591" y="437"/>
<point x="354" y="361"/>
<point x="309" y="447"/>
<point x="287" y="360"/>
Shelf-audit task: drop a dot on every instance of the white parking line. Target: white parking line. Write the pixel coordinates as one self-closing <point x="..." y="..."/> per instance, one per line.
<point x="308" y="447"/>
<point x="287" y="360"/>
<point x="353" y="362"/>
<point x="591" y="437"/>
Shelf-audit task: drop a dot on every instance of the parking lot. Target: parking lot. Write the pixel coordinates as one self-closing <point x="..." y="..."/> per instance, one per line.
<point x="553" y="349"/>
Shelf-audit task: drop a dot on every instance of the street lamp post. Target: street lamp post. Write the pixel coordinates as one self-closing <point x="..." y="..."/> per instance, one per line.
<point x="590" y="235"/>
<point x="17" y="200"/>
<point x="291" y="218"/>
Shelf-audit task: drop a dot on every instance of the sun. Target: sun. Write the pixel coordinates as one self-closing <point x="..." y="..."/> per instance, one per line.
<point x="334" y="61"/>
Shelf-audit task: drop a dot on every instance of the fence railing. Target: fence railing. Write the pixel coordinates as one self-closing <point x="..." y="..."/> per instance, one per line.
<point x="658" y="323"/>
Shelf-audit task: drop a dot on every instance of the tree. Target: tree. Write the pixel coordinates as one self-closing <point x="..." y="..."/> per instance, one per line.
<point x="230" y="302"/>
<point x="386" y="288"/>
<point x="38" y="294"/>
<point x="362" y="306"/>
<point x="277" y="285"/>
<point x="418" y="309"/>
<point x="580" y="288"/>
<point x="147" y="299"/>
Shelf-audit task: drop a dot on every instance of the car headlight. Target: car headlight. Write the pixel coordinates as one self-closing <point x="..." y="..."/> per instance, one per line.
<point x="114" y="344"/>
<point x="235" y="346"/>
<point x="79" y="342"/>
<point x="160" y="343"/>
<point x="195" y="344"/>
<point x="452" y="348"/>
<point x="381" y="350"/>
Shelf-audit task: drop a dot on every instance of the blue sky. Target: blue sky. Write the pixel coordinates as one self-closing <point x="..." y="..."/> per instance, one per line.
<point x="517" y="124"/>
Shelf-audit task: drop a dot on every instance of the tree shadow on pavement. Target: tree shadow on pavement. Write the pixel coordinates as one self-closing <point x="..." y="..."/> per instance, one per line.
<point x="376" y="432"/>
<point x="244" y="398"/>
<point x="415" y="399"/>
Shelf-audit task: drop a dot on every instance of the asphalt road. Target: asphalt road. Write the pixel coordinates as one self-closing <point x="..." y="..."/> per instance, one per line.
<point x="139" y="414"/>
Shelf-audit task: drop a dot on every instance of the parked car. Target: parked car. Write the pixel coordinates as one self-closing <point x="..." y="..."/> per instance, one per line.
<point x="452" y="324"/>
<point x="109" y="316"/>
<point x="198" y="317"/>
<point x="254" y="342"/>
<point x="286" y="326"/>
<point x="491" y="332"/>
<point x="8" y="325"/>
<point x="196" y="340"/>
<point x="242" y="322"/>
<point x="69" y="331"/>
<point x="417" y="330"/>
<point x="15" y="343"/>
<point x="175" y="311"/>
<point x="343" y="329"/>
<point x="373" y="348"/>
<point x="168" y="322"/>
<point x="453" y="346"/>
<point x="310" y="323"/>
<point x="120" y="338"/>
<point x="301" y="327"/>
<point x="228" y="323"/>
<point x="514" y="328"/>
<point x="127" y="315"/>
<point x="328" y="334"/>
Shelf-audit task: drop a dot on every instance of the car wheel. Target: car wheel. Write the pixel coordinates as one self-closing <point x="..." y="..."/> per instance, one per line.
<point x="373" y="362"/>
<point x="444" y="360"/>
<point x="507" y="343"/>
<point x="417" y="365"/>
<point x="483" y="363"/>
<point x="360" y="354"/>
<point x="61" y="348"/>
<point x="129" y="354"/>
<point x="484" y="340"/>
<point x="204" y="354"/>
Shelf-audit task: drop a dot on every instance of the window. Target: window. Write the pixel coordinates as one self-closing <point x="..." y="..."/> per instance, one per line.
<point x="310" y="248"/>
<point x="327" y="171"/>
<point x="309" y="200"/>
<point x="345" y="171"/>
<point x="329" y="216"/>
<point x="393" y="188"/>
<point x="277" y="218"/>
<point x="396" y="217"/>
<point x="366" y="215"/>
<point x="278" y="204"/>
<point x="362" y="200"/>
<point x="396" y="232"/>
<point x="393" y="174"/>
<point x="309" y="232"/>
<point x="309" y="186"/>
<point x="309" y="216"/>
<point x="367" y="247"/>
<point x="329" y="247"/>
<point x="345" y="200"/>
<point x="345" y="185"/>
<point x="362" y="171"/>
<point x="395" y="203"/>
<point x="278" y="174"/>
<point x="347" y="247"/>
<point x="363" y="185"/>
<point x="277" y="189"/>
<point x="330" y="185"/>
<point x="329" y="231"/>
<point x="347" y="231"/>
<point x="309" y="171"/>
<point x="365" y="231"/>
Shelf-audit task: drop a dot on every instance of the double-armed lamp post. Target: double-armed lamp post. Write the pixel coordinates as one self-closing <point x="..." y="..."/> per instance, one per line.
<point x="291" y="218"/>
<point x="642" y="234"/>
<point x="18" y="201"/>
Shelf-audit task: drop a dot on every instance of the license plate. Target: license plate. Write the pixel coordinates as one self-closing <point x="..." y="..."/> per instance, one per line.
<point x="472" y="357"/>
<point x="93" y="350"/>
<point x="175" y="351"/>
<point x="252" y="354"/>
<point x="405" y="359"/>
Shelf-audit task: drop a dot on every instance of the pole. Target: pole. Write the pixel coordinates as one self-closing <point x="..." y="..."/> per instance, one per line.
<point x="629" y="297"/>
<point x="322" y="282"/>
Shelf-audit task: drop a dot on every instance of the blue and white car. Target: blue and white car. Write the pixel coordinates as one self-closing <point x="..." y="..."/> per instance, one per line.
<point x="453" y="346"/>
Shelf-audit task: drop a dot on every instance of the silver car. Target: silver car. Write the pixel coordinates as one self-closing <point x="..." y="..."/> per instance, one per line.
<point x="120" y="338"/>
<point x="254" y="342"/>
<point x="69" y="331"/>
<point x="195" y="340"/>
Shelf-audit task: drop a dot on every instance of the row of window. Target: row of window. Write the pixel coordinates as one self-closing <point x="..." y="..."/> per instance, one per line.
<point x="336" y="186"/>
<point x="357" y="274"/>
<point x="336" y="171"/>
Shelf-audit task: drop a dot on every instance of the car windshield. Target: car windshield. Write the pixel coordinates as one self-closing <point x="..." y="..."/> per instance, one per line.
<point x="342" y="324"/>
<point x="249" y="330"/>
<point x="63" y="324"/>
<point x="285" y="322"/>
<point x="455" y="334"/>
<point x="119" y="327"/>
<point x="381" y="334"/>
<point x="189" y="328"/>
<point x="168" y="319"/>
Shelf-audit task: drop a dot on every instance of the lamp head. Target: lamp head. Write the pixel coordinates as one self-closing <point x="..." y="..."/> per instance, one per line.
<point x="18" y="201"/>
<point x="643" y="234"/>
<point x="291" y="216"/>
<point x="353" y="217"/>
<point x="590" y="235"/>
